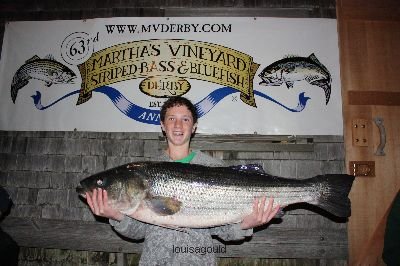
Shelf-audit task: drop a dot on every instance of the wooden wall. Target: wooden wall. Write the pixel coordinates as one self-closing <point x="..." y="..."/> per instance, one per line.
<point x="369" y="34"/>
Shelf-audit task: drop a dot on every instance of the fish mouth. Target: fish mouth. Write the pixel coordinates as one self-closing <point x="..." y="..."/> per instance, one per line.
<point x="81" y="191"/>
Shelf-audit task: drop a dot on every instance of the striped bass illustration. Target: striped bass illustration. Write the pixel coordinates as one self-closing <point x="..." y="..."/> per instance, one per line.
<point x="292" y="69"/>
<point x="188" y="195"/>
<point x="47" y="70"/>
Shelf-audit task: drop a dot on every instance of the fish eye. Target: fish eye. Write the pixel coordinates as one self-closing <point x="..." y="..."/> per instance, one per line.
<point x="99" y="182"/>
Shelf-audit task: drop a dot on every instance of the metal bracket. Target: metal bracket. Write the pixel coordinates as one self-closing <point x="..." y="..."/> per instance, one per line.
<point x="379" y="122"/>
<point x="360" y="132"/>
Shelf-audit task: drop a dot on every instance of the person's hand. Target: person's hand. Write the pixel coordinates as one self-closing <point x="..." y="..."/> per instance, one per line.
<point x="98" y="203"/>
<point x="260" y="215"/>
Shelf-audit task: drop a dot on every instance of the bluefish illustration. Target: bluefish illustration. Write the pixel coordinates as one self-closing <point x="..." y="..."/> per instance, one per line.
<point x="46" y="69"/>
<point x="291" y="69"/>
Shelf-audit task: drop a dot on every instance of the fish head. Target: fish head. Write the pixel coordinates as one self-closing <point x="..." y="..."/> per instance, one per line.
<point x="125" y="187"/>
<point x="67" y="75"/>
<point x="272" y="75"/>
<point x="63" y="75"/>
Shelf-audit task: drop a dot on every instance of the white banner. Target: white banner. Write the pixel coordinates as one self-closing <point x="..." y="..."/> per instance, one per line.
<point x="269" y="76"/>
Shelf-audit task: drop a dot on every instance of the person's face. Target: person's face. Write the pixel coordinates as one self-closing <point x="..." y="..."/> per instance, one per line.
<point x="178" y="125"/>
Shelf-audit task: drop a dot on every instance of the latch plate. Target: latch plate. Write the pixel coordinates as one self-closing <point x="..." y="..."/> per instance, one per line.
<point x="362" y="168"/>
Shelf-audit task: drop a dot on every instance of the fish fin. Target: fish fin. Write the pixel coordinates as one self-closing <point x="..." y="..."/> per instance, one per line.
<point x="263" y="83"/>
<point x="312" y="78"/>
<point x="290" y="56"/>
<point x="279" y="214"/>
<point x="36" y="98"/>
<point x="333" y="197"/>
<point x="252" y="168"/>
<point x="289" y="84"/>
<point x="48" y="83"/>
<point x="50" y="57"/>
<point x="33" y="58"/>
<point x="313" y="58"/>
<point x="164" y="205"/>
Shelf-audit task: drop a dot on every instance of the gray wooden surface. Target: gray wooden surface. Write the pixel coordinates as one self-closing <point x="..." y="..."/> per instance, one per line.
<point x="287" y="240"/>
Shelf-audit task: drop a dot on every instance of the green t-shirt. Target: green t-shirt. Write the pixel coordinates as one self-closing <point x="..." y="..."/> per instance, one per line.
<point x="187" y="159"/>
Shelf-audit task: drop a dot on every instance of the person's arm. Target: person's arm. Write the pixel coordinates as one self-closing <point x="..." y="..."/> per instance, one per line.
<point x="231" y="232"/>
<point x="258" y="217"/>
<point x="125" y="225"/>
<point x="130" y="227"/>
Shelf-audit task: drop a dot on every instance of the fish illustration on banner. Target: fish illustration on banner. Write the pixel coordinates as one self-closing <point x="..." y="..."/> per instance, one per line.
<point x="291" y="69"/>
<point x="47" y="69"/>
<point x="163" y="77"/>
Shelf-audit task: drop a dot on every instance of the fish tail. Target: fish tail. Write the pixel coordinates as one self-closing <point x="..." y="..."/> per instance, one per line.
<point x="333" y="196"/>
<point x="327" y="89"/>
<point x="325" y="84"/>
<point x="17" y="83"/>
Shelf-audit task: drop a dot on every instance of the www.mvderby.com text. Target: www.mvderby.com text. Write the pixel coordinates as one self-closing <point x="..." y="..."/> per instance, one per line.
<point x="173" y="27"/>
<point x="198" y="249"/>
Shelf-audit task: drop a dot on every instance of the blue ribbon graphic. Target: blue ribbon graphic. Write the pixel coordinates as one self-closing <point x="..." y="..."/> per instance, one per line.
<point x="150" y="116"/>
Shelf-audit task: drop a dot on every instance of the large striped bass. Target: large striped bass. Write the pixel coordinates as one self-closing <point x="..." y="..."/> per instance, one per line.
<point x="188" y="195"/>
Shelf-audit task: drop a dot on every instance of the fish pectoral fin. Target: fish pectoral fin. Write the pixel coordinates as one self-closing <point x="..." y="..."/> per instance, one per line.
<point x="164" y="205"/>
<point x="48" y="83"/>
<point x="313" y="78"/>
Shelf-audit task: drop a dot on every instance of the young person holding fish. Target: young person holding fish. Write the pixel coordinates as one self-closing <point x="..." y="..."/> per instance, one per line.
<point x="165" y="246"/>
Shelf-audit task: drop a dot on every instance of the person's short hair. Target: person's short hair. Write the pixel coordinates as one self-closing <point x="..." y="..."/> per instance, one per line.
<point x="178" y="101"/>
